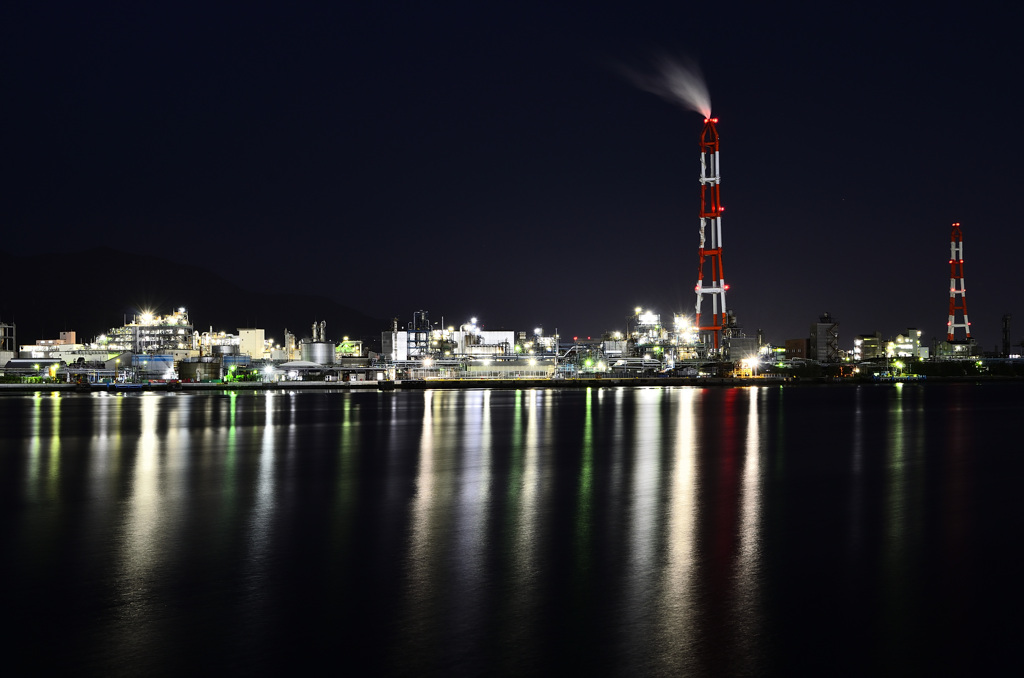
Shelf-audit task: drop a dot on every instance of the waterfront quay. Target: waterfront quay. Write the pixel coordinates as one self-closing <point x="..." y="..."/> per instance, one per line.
<point x="404" y="384"/>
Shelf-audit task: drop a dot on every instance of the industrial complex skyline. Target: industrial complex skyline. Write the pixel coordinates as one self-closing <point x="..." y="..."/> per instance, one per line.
<point x="493" y="161"/>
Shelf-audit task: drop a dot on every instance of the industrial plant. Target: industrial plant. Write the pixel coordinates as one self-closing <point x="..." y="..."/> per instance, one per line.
<point x="169" y="349"/>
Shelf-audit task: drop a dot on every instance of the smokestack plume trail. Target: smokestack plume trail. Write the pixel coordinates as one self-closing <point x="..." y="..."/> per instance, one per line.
<point x="679" y="82"/>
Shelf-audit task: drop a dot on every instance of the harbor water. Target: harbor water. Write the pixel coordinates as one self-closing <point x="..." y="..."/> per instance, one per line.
<point x="822" y="530"/>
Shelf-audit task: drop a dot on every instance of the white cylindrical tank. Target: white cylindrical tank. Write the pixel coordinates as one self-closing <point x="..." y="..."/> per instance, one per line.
<point x="320" y="352"/>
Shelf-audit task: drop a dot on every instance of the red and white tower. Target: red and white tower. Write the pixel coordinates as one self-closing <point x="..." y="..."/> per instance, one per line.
<point x="957" y="293"/>
<point x="711" y="219"/>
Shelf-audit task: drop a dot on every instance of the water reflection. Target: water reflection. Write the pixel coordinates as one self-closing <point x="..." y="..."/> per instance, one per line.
<point x="747" y="610"/>
<point x="661" y="530"/>
<point x="642" y="506"/>
<point x="678" y="593"/>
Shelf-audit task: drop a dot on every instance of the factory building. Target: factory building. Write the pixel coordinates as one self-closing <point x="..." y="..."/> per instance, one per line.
<point x="907" y="345"/>
<point x="420" y="341"/>
<point x="741" y="348"/>
<point x="252" y="342"/>
<point x="797" y="349"/>
<point x="148" y="333"/>
<point x="8" y="341"/>
<point x="867" y="346"/>
<point x="824" y="341"/>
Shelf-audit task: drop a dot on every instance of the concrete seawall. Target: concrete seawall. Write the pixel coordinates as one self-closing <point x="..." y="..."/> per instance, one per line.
<point x="647" y="382"/>
<point x="416" y="384"/>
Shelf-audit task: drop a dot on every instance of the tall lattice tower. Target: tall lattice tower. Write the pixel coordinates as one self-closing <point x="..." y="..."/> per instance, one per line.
<point x="957" y="293"/>
<point x="712" y="324"/>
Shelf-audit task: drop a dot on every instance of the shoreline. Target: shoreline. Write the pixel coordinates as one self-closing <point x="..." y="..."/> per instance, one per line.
<point x="418" y="384"/>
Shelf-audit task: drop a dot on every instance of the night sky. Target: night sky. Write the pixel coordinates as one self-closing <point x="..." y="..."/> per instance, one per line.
<point x="489" y="159"/>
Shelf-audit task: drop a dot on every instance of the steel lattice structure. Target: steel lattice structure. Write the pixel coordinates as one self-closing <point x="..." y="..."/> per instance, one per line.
<point x="711" y="209"/>
<point x="957" y="293"/>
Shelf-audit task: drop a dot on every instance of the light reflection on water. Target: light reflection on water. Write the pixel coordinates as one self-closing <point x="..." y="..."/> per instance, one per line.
<point x="659" y="530"/>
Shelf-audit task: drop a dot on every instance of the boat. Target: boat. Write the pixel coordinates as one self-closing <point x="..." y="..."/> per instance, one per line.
<point x="125" y="386"/>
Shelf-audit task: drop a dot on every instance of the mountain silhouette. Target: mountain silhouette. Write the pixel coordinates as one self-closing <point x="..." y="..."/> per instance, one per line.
<point x="92" y="290"/>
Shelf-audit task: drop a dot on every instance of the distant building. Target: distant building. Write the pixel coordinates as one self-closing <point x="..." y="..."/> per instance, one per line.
<point x="907" y="345"/>
<point x="957" y="350"/>
<point x="867" y="346"/>
<point x="148" y="333"/>
<point x="740" y="348"/>
<point x="251" y="342"/>
<point x="824" y="341"/>
<point x="8" y="344"/>
<point x="797" y="348"/>
<point x="419" y="340"/>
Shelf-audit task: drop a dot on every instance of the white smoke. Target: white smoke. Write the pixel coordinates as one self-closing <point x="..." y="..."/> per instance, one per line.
<point x="680" y="83"/>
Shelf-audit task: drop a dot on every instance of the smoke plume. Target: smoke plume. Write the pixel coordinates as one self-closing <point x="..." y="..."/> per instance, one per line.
<point x="680" y="83"/>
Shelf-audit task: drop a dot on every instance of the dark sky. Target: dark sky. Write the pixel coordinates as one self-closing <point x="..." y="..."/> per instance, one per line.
<point x="488" y="158"/>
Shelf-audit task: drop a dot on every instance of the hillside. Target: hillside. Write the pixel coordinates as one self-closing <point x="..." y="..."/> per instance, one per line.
<point x="92" y="290"/>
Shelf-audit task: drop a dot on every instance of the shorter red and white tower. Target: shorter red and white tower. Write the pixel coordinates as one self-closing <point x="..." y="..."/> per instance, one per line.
<point x="711" y="209"/>
<point x="957" y="293"/>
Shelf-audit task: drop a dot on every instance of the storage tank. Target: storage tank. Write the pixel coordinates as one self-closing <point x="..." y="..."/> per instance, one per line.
<point x="199" y="371"/>
<point x="229" y="361"/>
<point x="319" y="352"/>
<point x="225" y="349"/>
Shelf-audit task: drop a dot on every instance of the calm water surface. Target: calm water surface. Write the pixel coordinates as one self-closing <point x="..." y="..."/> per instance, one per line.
<point x="659" y="531"/>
